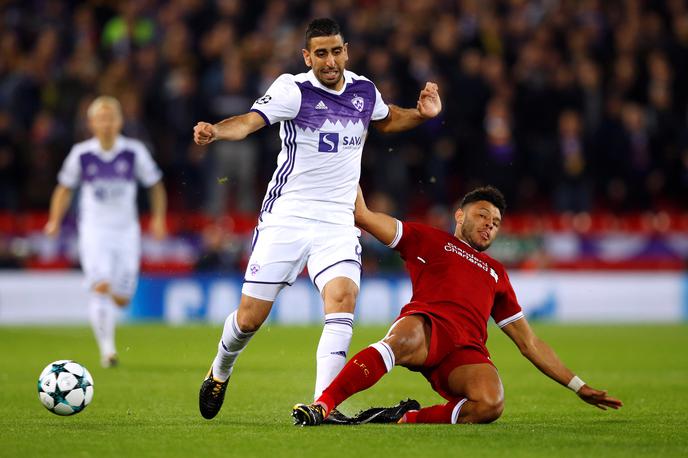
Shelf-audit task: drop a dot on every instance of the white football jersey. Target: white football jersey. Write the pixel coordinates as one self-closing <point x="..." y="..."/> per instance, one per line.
<point x="322" y="132"/>
<point x="108" y="180"/>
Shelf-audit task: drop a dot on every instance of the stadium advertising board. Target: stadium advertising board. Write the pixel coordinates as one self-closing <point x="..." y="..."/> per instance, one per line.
<point x="60" y="298"/>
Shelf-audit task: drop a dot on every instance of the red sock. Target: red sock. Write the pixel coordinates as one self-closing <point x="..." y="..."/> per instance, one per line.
<point x="361" y="372"/>
<point x="435" y="414"/>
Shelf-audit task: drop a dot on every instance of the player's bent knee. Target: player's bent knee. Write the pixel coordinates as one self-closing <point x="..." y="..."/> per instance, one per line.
<point x="249" y="323"/>
<point x="339" y="298"/>
<point x="121" y="301"/>
<point x="251" y="320"/>
<point x="102" y="287"/>
<point x="489" y="410"/>
<point x="252" y="313"/>
<point x="342" y="301"/>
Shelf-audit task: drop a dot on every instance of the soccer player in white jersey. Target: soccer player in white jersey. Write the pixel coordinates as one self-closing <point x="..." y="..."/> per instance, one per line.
<point x="108" y="167"/>
<point x="306" y="217"/>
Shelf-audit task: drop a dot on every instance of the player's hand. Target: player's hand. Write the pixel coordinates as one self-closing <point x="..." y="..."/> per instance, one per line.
<point x="429" y="102"/>
<point x="51" y="229"/>
<point x="204" y="133"/>
<point x="158" y="228"/>
<point x="598" y="398"/>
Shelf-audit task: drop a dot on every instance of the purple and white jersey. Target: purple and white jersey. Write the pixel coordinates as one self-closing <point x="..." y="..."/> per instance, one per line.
<point x="322" y="132"/>
<point x="108" y="180"/>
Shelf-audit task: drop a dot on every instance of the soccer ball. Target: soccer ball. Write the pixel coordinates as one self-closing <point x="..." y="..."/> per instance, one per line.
<point x="65" y="387"/>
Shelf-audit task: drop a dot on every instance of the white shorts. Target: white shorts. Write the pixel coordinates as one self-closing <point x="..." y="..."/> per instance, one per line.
<point x="283" y="246"/>
<point x="111" y="256"/>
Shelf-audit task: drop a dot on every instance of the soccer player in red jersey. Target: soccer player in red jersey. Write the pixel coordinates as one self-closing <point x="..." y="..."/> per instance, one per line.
<point x="442" y="331"/>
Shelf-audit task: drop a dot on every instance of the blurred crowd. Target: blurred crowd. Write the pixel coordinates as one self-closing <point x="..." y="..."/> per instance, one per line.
<point x="565" y="105"/>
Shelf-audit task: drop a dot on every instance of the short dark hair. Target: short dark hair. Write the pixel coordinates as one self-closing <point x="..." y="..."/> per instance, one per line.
<point x="487" y="193"/>
<point x="321" y="27"/>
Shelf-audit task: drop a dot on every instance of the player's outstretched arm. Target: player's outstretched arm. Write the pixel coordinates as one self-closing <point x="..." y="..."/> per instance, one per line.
<point x="59" y="203"/>
<point x="544" y="358"/>
<point x="400" y="119"/>
<point x="382" y="226"/>
<point x="158" y="203"/>
<point x="234" y="128"/>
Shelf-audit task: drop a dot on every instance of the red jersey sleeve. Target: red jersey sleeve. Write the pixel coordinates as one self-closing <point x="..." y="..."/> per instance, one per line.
<point x="505" y="309"/>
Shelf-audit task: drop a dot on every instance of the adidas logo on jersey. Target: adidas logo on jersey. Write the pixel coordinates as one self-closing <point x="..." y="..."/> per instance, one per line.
<point x="321" y="106"/>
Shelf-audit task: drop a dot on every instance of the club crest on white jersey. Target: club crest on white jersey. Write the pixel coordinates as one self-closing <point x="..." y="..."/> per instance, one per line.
<point x="358" y="103"/>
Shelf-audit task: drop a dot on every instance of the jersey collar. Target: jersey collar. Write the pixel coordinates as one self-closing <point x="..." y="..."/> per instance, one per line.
<point x="319" y="85"/>
<point x="117" y="146"/>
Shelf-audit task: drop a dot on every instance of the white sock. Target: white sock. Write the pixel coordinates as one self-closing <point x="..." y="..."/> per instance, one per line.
<point x="386" y="353"/>
<point x="232" y="343"/>
<point x="332" y="349"/>
<point x="457" y="411"/>
<point x="103" y="316"/>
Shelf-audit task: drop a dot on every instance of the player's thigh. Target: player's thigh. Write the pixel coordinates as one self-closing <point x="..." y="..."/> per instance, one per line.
<point x="409" y="339"/>
<point x="96" y="257"/>
<point x="335" y="253"/>
<point x="126" y="249"/>
<point x="279" y="254"/>
<point x="477" y="382"/>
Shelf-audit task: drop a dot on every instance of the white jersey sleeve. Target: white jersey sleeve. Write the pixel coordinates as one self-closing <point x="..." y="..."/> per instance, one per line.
<point x="145" y="168"/>
<point x="381" y="110"/>
<point x="70" y="173"/>
<point x="281" y="102"/>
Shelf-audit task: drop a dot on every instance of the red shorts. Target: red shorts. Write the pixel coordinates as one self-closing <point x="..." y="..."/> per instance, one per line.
<point x="445" y="354"/>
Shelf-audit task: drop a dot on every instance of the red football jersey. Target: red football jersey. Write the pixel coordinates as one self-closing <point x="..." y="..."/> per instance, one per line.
<point x="460" y="285"/>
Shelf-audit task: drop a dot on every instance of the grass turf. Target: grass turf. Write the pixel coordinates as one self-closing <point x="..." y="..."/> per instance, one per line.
<point x="148" y="406"/>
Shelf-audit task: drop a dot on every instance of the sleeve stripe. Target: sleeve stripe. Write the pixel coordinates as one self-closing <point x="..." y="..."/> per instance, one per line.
<point x="263" y="115"/>
<point x="397" y="237"/>
<point x="511" y="319"/>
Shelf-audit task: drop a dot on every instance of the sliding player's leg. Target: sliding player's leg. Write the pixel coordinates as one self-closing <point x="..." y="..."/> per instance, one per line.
<point x="406" y="342"/>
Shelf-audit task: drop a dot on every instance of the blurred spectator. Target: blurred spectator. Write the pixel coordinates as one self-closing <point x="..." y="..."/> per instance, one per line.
<point x="129" y="29"/>
<point x="641" y="175"/>
<point x="10" y="167"/>
<point x="573" y="190"/>
<point x="591" y="94"/>
<point x="220" y="250"/>
<point x="230" y="167"/>
<point x="500" y="150"/>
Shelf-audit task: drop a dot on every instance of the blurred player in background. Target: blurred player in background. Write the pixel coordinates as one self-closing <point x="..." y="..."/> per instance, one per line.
<point x="108" y="167"/>
<point x="307" y="214"/>
<point x="443" y="330"/>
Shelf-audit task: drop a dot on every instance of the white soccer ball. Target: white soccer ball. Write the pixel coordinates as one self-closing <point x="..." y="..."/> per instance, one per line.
<point x="65" y="387"/>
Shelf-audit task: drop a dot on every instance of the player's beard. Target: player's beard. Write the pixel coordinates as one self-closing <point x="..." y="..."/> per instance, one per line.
<point x="470" y="233"/>
<point x="327" y="83"/>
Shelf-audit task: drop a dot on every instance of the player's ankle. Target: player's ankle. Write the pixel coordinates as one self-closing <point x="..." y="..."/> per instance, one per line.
<point x="327" y="402"/>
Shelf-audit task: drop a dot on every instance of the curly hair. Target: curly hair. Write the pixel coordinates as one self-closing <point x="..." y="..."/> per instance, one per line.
<point x="487" y="193"/>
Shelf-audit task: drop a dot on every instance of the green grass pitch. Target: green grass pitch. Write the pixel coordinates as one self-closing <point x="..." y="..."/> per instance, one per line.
<point x="148" y="406"/>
